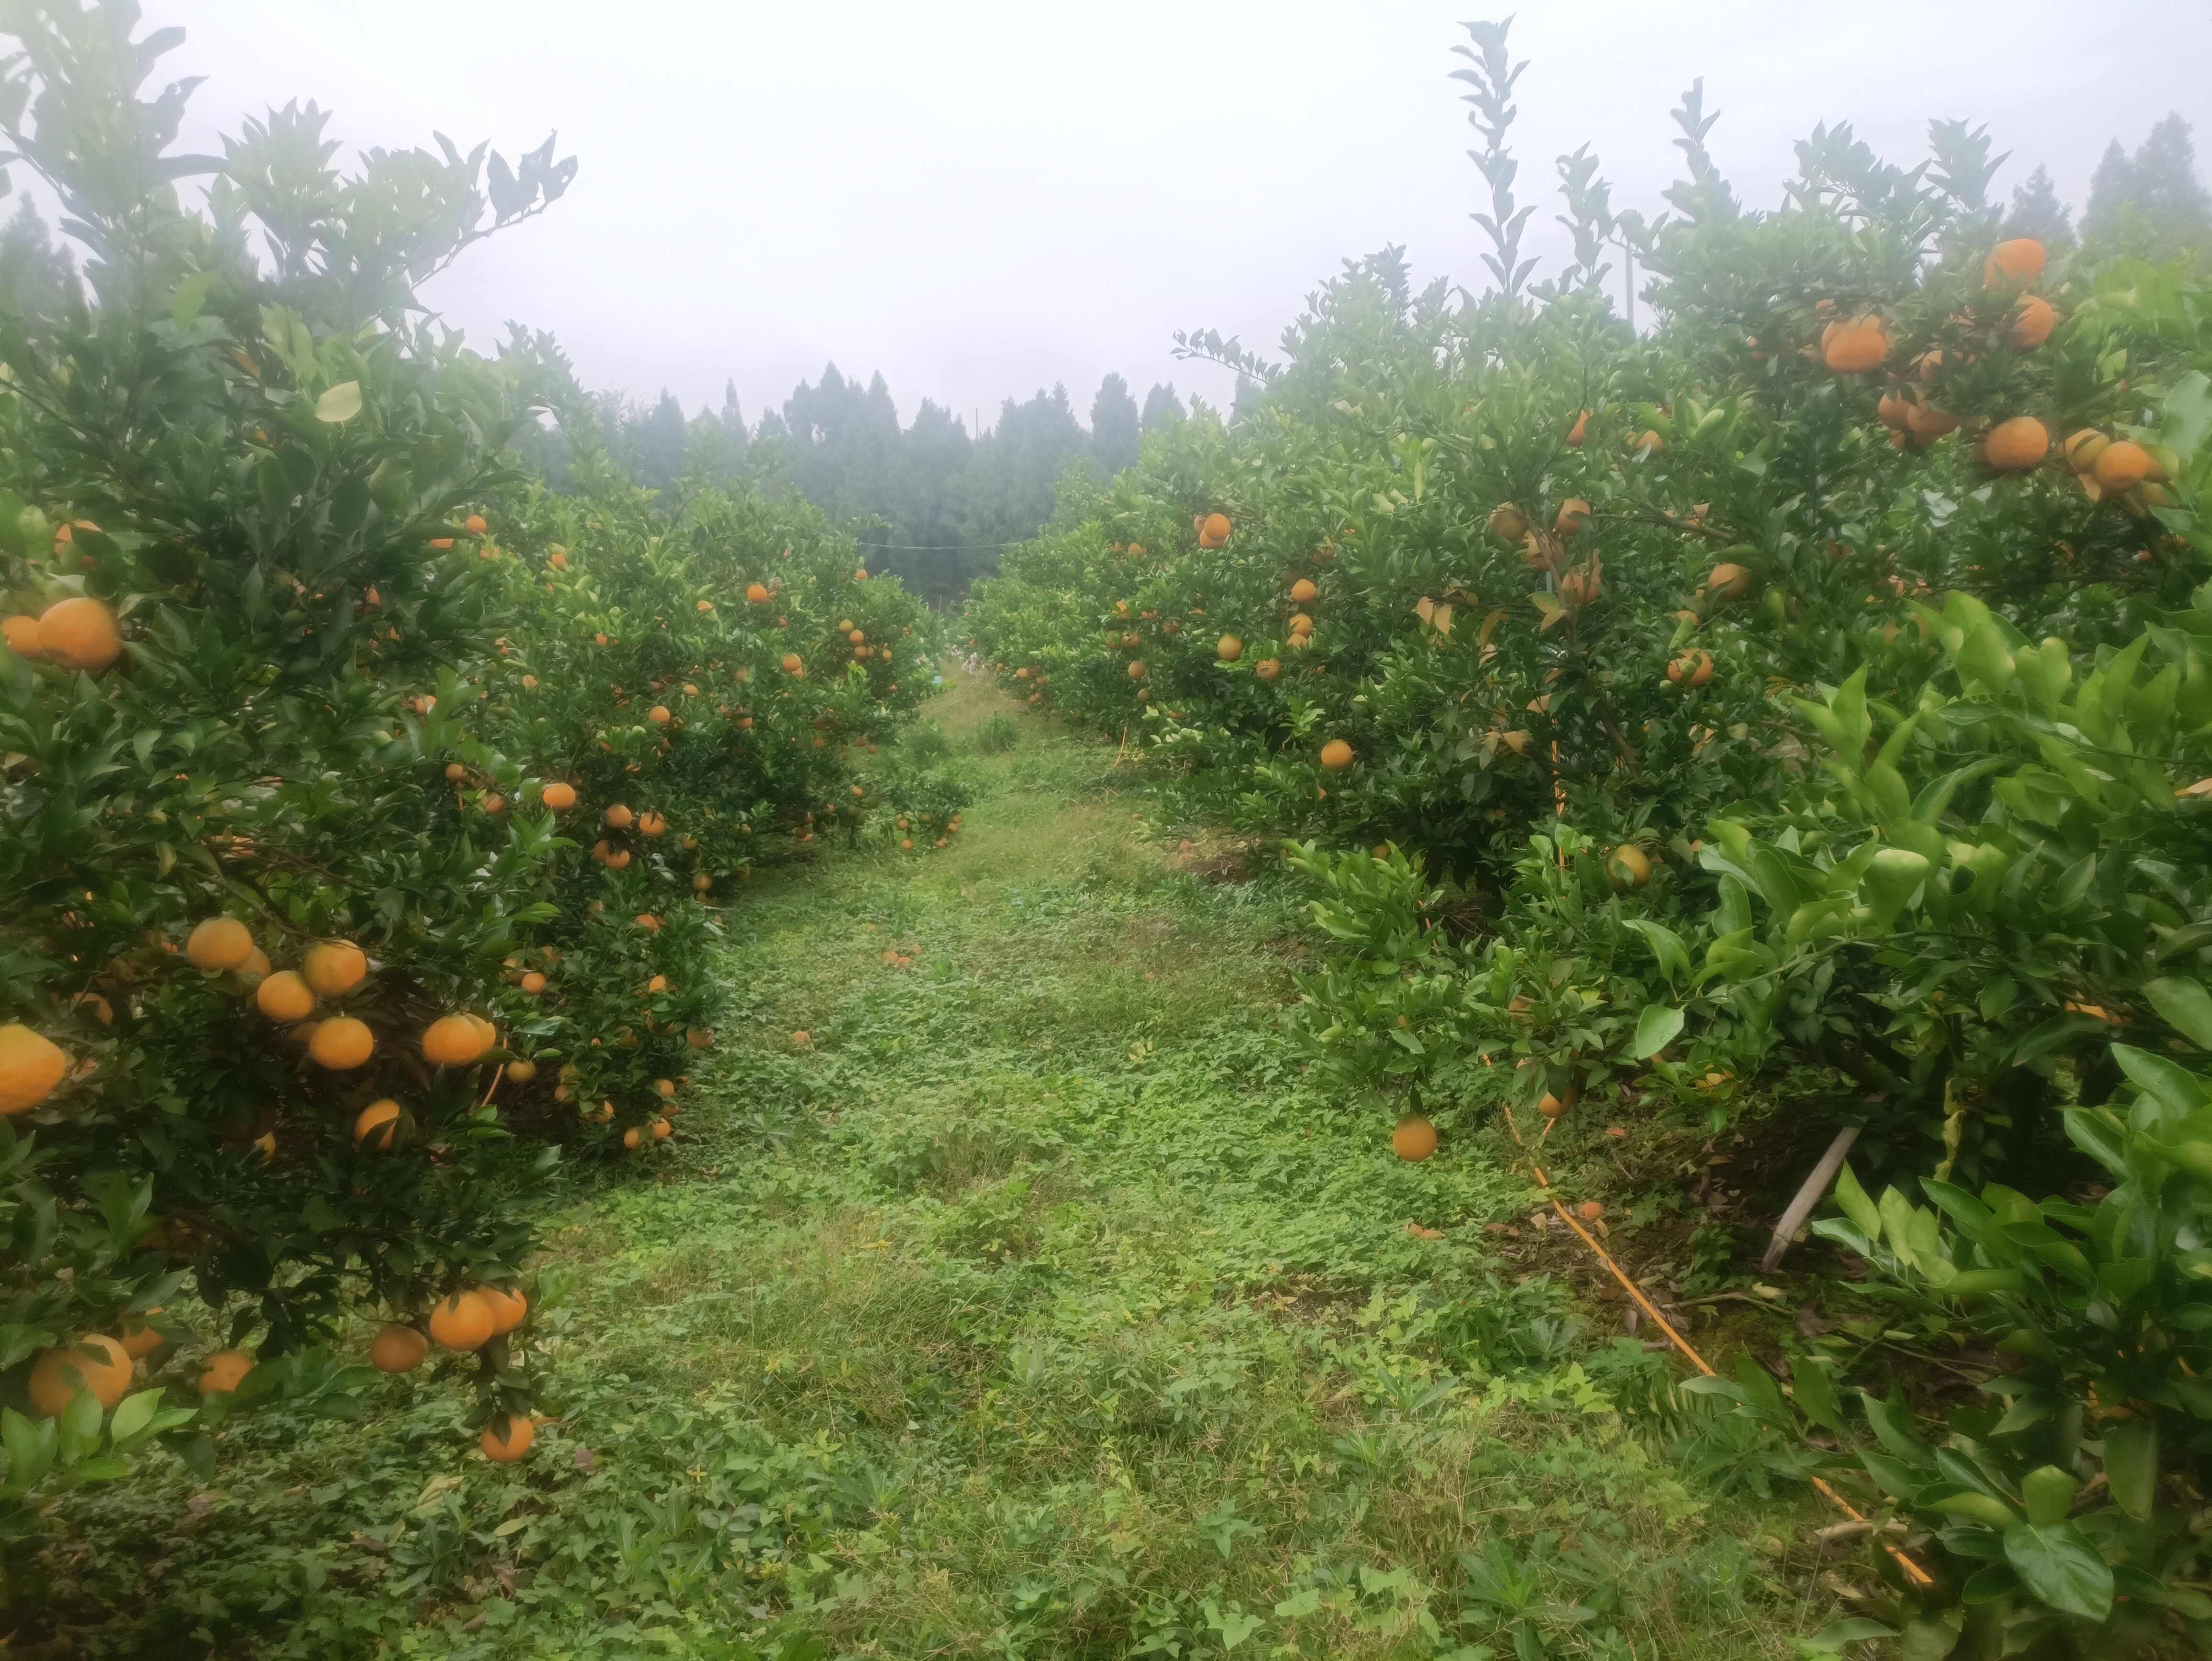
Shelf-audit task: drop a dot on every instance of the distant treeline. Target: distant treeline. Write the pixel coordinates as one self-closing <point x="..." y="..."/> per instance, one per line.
<point x="936" y="501"/>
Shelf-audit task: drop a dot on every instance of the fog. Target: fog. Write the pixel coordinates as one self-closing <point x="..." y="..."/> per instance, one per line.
<point x="983" y="199"/>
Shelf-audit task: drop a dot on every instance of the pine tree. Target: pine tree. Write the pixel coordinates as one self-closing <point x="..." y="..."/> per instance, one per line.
<point x="2151" y="205"/>
<point x="2037" y="212"/>
<point x="38" y="280"/>
<point x="1114" y="432"/>
<point x="1162" y="406"/>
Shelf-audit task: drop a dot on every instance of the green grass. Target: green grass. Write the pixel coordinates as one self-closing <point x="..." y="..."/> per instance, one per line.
<point x="1035" y="1307"/>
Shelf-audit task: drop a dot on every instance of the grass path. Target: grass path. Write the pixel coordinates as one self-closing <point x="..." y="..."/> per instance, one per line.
<point x="1032" y="1306"/>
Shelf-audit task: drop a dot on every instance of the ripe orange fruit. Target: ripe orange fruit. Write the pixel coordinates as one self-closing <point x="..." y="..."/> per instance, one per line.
<point x="22" y="637"/>
<point x="506" y="1450"/>
<point x="1555" y="1107"/>
<point x="474" y="525"/>
<point x="558" y="559"/>
<point x="31" y="1065"/>
<point x="284" y="996"/>
<point x="1415" y="1139"/>
<point x="1302" y="590"/>
<point x="523" y="1071"/>
<point x="140" y="1340"/>
<point x="460" y="1321"/>
<point x="1214" y="530"/>
<point x="1574" y="513"/>
<point x="2084" y="449"/>
<point x="1894" y="411"/>
<point x="619" y="817"/>
<point x="1648" y="441"/>
<point x="79" y="634"/>
<point x="1268" y="668"/>
<point x="1692" y="668"/>
<point x="1229" y="648"/>
<point x="1336" y="755"/>
<point x="1590" y="1211"/>
<point x="648" y="922"/>
<point x="2016" y="445"/>
<point x="1576" y="433"/>
<point x="224" y="1371"/>
<point x="1729" y="582"/>
<point x="334" y="968"/>
<point x="660" y="1129"/>
<point x="2013" y="261"/>
<point x="453" y="1041"/>
<point x="255" y="969"/>
<point x="529" y="682"/>
<point x="651" y="824"/>
<point x="660" y="714"/>
<point x="507" y="1308"/>
<point x="341" y="1043"/>
<point x="792" y="666"/>
<point x="2032" y="320"/>
<point x="1137" y="670"/>
<point x="398" y="1348"/>
<point x="2123" y="464"/>
<point x="219" y="943"/>
<point x="757" y="592"/>
<point x="1582" y="584"/>
<point x="375" y="1126"/>
<point x="1854" y="347"/>
<point x="533" y="982"/>
<point x="455" y="772"/>
<point x="1927" y="423"/>
<point x="1627" y="866"/>
<point x="701" y="882"/>
<point x="557" y="795"/>
<point x="634" y="1138"/>
<point x="95" y="1362"/>
<point x="1507" y="522"/>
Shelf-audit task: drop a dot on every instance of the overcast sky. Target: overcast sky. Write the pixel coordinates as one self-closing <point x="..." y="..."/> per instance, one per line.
<point x="981" y="199"/>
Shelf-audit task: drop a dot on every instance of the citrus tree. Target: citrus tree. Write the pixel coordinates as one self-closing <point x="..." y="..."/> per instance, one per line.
<point x="370" y="812"/>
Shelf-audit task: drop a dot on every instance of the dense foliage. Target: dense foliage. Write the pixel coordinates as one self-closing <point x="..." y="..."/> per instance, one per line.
<point x="1816" y="684"/>
<point x="365" y="805"/>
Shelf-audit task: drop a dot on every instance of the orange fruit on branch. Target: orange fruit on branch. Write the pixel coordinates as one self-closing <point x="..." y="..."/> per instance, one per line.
<point x="2015" y="260"/>
<point x="79" y="634"/>
<point x="1855" y="346"/>
<point x="284" y="996"/>
<point x="505" y="1448"/>
<point x="334" y="968"/>
<point x="1415" y="1139"/>
<point x="1214" y="530"/>
<point x="224" y="1371"/>
<point x="454" y="1041"/>
<point x="460" y="1321"/>
<point x="375" y="1126"/>
<point x="1336" y="755"/>
<point x="558" y="795"/>
<point x="31" y="1065"/>
<point x="95" y="1362"/>
<point x="398" y="1348"/>
<point x="219" y="943"/>
<point x="341" y="1043"/>
<point x="2016" y="446"/>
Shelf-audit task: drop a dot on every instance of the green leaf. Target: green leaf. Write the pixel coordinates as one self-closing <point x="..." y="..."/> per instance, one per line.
<point x="341" y="404"/>
<point x="1814" y="1393"/>
<point x="135" y="1414"/>
<point x="1860" y="1209"/>
<point x="30" y="1444"/>
<point x="1831" y="1638"/>
<point x="1655" y="1028"/>
<point x="191" y="295"/>
<point x="2185" y="1006"/>
<point x="2058" y="1566"/>
<point x="2131" y="1467"/>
